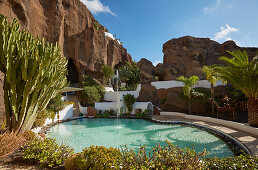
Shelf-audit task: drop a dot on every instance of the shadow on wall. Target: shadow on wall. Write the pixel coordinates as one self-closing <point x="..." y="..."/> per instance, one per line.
<point x="73" y="74"/>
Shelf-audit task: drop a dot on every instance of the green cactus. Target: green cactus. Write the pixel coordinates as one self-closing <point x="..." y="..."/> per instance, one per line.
<point x="35" y="72"/>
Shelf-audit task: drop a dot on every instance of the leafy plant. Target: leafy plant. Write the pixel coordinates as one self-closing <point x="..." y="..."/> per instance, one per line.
<point x="95" y="157"/>
<point x="40" y="120"/>
<point x="130" y="74"/>
<point x="212" y="76"/>
<point x="244" y="162"/>
<point x="47" y="152"/>
<point x="162" y="157"/>
<point x="108" y="73"/>
<point x="129" y="100"/>
<point x="34" y="72"/>
<point x="56" y="104"/>
<point x="188" y="84"/>
<point x="3" y="126"/>
<point x="96" y="25"/>
<point x="243" y="75"/>
<point x="92" y="91"/>
<point x="90" y="95"/>
<point x="29" y="135"/>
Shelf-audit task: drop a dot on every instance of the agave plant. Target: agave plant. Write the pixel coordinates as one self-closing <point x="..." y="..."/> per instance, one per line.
<point x="213" y="77"/>
<point x="242" y="74"/>
<point x="189" y="83"/>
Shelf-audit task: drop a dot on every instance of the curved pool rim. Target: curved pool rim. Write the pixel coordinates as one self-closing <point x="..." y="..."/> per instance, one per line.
<point x="235" y="145"/>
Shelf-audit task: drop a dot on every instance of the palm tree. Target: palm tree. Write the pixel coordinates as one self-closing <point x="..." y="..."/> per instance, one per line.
<point x="189" y="83"/>
<point x="212" y="76"/>
<point x="243" y="75"/>
<point x="108" y="73"/>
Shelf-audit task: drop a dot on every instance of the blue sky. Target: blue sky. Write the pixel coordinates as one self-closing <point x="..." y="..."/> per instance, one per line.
<point x="145" y="25"/>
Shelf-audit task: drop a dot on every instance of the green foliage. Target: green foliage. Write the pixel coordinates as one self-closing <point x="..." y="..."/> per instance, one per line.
<point x="95" y="157"/>
<point x="130" y="74"/>
<point x="29" y="135"/>
<point x="211" y="74"/>
<point x="47" y="152"/>
<point x="90" y="95"/>
<point x="34" y="72"/>
<point x="188" y="84"/>
<point x="92" y="91"/>
<point x="56" y="104"/>
<point x="244" y="162"/>
<point x="141" y="115"/>
<point x="129" y="100"/>
<point x="108" y="72"/>
<point x="241" y="73"/>
<point x="162" y="157"/>
<point x="96" y="25"/>
<point x="40" y="120"/>
<point x="3" y="125"/>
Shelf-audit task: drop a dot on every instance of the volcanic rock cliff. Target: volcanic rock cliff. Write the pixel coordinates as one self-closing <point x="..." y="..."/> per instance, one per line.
<point x="81" y="38"/>
<point x="185" y="56"/>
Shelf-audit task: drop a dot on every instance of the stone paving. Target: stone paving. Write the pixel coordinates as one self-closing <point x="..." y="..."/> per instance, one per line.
<point x="249" y="140"/>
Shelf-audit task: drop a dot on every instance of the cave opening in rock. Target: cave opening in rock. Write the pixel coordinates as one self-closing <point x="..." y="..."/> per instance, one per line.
<point x="73" y="74"/>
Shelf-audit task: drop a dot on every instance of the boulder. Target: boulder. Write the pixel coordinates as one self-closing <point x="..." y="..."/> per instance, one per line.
<point x="91" y="111"/>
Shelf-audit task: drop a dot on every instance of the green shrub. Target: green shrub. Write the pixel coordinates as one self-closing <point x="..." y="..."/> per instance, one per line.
<point x="96" y="25"/>
<point x="3" y="125"/>
<point x="29" y="135"/>
<point x="141" y="115"/>
<point x="131" y="75"/>
<point x="92" y="91"/>
<point x="108" y="73"/>
<point x="90" y="95"/>
<point x="162" y="157"/>
<point x="40" y="120"/>
<point x="47" y="152"/>
<point x="96" y="157"/>
<point x="106" y="114"/>
<point x="238" y="162"/>
<point x="56" y="104"/>
<point x="129" y="100"/>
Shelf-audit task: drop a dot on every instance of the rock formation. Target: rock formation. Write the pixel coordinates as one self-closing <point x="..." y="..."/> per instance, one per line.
<point x="188" y="54"/>
<point x="81" y="38"/>
<point x="185" y="56"/>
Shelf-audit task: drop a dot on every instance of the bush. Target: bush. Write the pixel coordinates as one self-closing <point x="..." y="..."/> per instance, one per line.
<point x="131" y="75"/>
<point x="29" y="135"/>
<point x="238" y="162"/>
<point x="56" y="104"/>
<point x="108" y="73"/>
<point x="93" y="92"/>
<point x="40" y="120"/>
<point x="3" y="126"/>
<point x="47" y="152"/>
<point x="95" y="157"/>
<point x="9" y="142"/>
<point x="129" y="100"/>
<point x="90" y="95"/>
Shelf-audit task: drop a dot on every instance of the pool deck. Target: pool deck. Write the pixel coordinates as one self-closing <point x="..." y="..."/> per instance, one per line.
<point x="248" y="139"/>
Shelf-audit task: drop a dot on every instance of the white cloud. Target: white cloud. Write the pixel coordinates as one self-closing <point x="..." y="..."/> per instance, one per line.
<point x="207" y="10"/>
<point x="95" y="6"/>
<point x="225" y="31"/>
<point x="157" y="62"/>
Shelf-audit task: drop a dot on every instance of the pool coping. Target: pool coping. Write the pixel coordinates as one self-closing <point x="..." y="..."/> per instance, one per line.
<point x="235" y="145"/>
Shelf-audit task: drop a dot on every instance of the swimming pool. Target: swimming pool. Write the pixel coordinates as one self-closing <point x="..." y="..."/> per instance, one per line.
<point x="82" y="133"/>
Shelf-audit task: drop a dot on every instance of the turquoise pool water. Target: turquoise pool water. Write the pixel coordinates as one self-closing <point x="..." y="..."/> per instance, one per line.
<point x="82" y="133"/>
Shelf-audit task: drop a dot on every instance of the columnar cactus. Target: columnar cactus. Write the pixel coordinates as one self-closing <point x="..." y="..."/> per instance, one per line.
<point x="35" y="72"/>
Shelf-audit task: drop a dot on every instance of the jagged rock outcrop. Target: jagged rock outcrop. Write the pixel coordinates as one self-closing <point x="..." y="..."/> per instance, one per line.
<point x="81" y="38"/>
<point x="147" y="71"/>
<point x="187" y="55"/>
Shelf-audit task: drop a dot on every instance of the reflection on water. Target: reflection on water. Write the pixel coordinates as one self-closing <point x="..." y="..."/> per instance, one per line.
<point x="134" y="132"/>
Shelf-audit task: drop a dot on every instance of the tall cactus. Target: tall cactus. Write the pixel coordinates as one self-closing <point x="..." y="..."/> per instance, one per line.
<point x="35" y="72"/>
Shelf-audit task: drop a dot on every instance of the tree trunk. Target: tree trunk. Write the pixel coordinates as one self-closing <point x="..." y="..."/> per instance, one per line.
<point x="212" y="96"/>
<point x="189" y="104"/>
<point x="252" y="107"/>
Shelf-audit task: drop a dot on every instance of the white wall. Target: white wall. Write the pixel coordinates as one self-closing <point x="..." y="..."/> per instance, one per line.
<point x="174" y="83"/>
<point x="66" y="113"/>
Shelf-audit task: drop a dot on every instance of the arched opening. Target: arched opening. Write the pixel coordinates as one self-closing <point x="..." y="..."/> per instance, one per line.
<point x="73" y="75"/>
